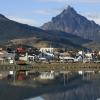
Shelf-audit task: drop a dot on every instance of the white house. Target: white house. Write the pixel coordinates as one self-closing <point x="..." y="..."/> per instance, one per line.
<point x="31" y="57"/>
<point x="50" y="50"/>
<point x="78" y="59"/>
<point x="88" y="56"/>
<point x="7" y="56"/>
<point x="80" y="53"/>
<point x="46" y="56"/>
<point x="66" y="59"/>
<point x="24" y="57"/>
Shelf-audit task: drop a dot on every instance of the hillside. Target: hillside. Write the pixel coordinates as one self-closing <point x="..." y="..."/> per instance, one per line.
<point x="11" y="30"/>
<point x="17" y="33"/>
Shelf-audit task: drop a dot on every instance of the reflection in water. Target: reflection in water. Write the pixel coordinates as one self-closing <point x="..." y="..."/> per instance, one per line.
<point x="75" y="89"/>
<point x="37" y="98"/>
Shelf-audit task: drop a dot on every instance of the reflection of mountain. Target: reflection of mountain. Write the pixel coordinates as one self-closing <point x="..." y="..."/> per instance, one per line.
<point x="90" y="91"/>
<point x="70" y="21"/>
<point x="76" y="89"/>
<point x="37" y="98"/>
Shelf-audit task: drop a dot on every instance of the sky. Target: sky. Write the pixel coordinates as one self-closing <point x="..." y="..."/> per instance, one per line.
<point x="37" y="12"/>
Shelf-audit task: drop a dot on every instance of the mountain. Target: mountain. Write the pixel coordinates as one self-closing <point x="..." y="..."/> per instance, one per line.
<point x="11" y="30"/>
<point x="15" y="33"/>
<point x="71" y="22"/>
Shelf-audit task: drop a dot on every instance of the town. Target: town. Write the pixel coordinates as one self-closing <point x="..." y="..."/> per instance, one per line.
<point x="22" y="56"/>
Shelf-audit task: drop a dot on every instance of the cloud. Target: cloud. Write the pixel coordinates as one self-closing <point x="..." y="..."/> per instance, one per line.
<point x="24" y="20"/>
<point x="47" y="12"/>
<point x="69" y="1"/>
<point x="91" y="1"/>
<point x="95" y="16"/>
<point x="97" y="20"/>
<point x="85" y="1"/>
<point x="41" y="12"/>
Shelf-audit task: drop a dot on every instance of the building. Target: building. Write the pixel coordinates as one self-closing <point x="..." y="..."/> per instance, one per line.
<point x="50" y="50"/>
<point x="6" y="57"/>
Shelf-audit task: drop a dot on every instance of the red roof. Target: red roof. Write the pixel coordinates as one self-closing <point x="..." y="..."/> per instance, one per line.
<point x="20" y="50"/>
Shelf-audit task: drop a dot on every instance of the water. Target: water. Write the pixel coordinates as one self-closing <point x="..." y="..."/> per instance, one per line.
<point x="98" y="99"/>
<point x="37" y="98"/>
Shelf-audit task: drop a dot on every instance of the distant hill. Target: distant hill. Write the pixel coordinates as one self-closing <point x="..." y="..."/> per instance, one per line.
<point x="71" y="22"/>
<point x="12" y="32"/>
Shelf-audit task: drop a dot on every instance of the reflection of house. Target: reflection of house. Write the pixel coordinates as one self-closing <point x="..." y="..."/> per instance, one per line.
<point x="3" y="74"/>
<point x="50" y="50"/>
<point x="47" y="75"/>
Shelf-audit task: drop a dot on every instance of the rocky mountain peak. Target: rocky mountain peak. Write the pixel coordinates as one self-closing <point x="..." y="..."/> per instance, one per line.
<point x="68" y="10"/>
<point x="71" y="22"/>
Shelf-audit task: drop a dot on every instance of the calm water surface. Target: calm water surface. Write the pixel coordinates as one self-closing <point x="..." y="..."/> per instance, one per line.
<point x="36" y="98"/>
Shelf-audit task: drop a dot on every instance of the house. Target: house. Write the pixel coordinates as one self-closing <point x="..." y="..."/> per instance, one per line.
<point x="6" y="57"/>
<point x="81" y="53"/>
<point x="1" y="49"/>
<point x="2" y="60"/>
<point x="99" y="52"/>
<point x="24" y="57"/>
<point x="31" y="58"/>
<point x="46" y="56"/>
<point x="78" y="58"/>
<point x="65" y="54"/>
<point x="49" y="50"/>
<point x="66" y="59"/>
<point x="20" y="50"/>
<point x="88" y="56"/>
